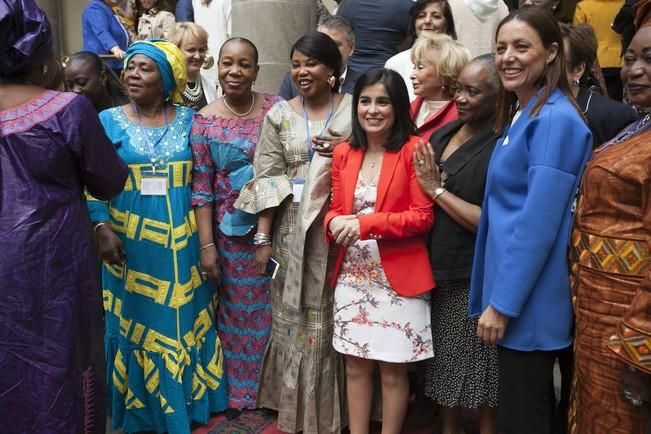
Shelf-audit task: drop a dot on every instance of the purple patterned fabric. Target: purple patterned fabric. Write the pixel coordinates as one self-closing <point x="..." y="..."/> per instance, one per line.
<point x="25" y="36"/>
<point x="51" y="353"/>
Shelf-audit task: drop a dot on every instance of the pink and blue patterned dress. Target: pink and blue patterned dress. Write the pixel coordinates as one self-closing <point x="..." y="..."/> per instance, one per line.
<point x="223" y="152"/>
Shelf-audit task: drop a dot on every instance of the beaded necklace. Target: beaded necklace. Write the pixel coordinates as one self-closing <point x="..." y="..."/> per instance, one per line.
<point x="159" y="149"/>
<point x="193" y="94"/>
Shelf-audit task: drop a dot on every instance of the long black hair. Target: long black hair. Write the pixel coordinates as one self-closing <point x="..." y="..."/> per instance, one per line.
<point x="403" y="127"/>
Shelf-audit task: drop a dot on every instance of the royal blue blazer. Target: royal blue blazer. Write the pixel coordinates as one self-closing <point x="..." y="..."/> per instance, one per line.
<point x="101" y="30"/>
<point x="520" y="265"/>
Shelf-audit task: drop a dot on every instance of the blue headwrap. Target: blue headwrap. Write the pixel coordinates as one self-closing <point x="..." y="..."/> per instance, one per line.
<point x="170" y="62"/>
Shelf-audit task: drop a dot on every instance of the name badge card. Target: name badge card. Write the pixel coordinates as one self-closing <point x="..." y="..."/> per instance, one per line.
<point x="297" y="189"/>
<point x="153" y="184"/>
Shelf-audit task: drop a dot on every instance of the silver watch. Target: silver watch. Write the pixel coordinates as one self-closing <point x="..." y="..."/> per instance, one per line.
<point x="439" y="191"/>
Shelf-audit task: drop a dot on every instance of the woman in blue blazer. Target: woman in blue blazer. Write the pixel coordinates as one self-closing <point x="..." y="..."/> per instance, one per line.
<point x="520" y="287"/>
<point x="102" y="31"/>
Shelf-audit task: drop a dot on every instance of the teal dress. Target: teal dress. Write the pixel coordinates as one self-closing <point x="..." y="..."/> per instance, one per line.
<point x="164" y="358"/>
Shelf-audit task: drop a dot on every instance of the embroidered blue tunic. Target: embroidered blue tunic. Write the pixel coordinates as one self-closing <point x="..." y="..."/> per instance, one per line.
<point x="164" y="359"/>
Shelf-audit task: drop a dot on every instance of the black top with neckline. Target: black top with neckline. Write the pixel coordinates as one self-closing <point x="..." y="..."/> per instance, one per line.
<point x="451" y="245"/>
<point x="606" y="117"/>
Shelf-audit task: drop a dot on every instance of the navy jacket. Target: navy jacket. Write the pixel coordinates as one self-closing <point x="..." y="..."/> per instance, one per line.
<point x="184" y="11"/>
<point x="606" y="117"/>
<point x="102" y="31"/>
<point x="520" y="266"/>
<point x="380" y="27"/>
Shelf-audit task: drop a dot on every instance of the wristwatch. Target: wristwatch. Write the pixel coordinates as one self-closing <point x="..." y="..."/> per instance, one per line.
<point x="439" y="191"/>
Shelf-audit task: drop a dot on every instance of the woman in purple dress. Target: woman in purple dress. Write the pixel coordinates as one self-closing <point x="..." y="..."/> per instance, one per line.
<point x="52" y="147"/>
<point x="223" y="139"/>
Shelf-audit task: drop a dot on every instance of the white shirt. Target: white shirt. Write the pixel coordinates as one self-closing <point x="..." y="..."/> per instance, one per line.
<point x="401" y="63"/>
<point x="216" y="19"/>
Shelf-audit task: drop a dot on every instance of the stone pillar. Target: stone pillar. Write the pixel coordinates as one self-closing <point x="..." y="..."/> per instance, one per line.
<point x="273" y="26"/>
<point x="52" y="9"/>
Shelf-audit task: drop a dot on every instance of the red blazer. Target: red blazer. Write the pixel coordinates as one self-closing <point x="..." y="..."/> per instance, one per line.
<point x="403" y="215"/>
<point x="445" y="115"/>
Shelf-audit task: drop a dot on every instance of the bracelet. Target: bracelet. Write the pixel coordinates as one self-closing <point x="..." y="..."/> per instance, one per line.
<point x="261" y="239"/>
<point x="98" y="225"/>
<point x="206" y="246"/>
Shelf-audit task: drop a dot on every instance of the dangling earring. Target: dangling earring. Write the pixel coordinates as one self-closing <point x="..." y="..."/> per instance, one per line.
<point x="44" y="70"/>
<point x="576" y="82"/>
<point x="331" y="81"/>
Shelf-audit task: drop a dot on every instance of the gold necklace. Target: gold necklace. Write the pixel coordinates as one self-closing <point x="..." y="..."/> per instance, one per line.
<point x="240" y="115"/>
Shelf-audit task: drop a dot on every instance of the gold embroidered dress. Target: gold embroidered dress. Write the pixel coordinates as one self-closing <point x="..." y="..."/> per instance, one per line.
<point x="302" y="377"/>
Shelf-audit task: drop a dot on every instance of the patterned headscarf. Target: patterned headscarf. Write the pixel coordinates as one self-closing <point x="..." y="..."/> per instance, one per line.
<point x="170" y="62"/>
<point x="25" y="37"/>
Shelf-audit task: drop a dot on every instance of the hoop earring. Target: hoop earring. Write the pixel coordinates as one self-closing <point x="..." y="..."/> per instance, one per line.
<point x="332" y="81"/>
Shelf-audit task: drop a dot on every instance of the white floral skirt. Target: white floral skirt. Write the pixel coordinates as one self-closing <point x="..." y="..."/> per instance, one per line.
<point x="371" y="320"/>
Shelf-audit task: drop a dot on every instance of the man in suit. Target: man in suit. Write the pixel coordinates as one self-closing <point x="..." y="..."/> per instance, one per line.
<point x="341" y="31"/>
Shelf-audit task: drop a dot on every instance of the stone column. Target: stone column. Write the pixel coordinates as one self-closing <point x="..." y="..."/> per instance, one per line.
<point x="273" y="26"/>
<point x="52" y="9"/>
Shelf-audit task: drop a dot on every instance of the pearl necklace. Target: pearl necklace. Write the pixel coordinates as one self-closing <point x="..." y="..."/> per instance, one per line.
<point x="195" y="94"/>
<point x="240" y="115"/>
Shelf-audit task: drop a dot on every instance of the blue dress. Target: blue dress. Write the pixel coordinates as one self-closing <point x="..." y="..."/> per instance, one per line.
<point x="164" y="358"/>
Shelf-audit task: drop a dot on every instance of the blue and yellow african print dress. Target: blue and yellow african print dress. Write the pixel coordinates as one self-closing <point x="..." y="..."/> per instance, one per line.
<point x="164" y="358"/>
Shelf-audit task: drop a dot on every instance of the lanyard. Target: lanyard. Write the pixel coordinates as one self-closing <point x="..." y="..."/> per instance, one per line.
<point x="307" y="125"/>
<point x="152" y="145"/>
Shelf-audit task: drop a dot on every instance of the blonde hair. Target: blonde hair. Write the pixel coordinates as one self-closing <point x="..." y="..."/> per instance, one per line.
<point x="181" y="32"/>
<point x="446" y="56"/>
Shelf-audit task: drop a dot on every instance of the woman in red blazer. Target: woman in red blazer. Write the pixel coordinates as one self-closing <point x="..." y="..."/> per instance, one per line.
<point x="438" y="60"/>
<point x="379" y="216"/>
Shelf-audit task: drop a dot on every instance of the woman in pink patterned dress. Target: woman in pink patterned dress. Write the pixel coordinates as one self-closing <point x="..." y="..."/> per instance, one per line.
<point x="223" y="138"/>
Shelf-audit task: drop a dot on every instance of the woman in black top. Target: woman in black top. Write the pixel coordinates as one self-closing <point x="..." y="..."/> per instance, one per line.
<point x="606" y="117"/>
<point x="452" y="170"/>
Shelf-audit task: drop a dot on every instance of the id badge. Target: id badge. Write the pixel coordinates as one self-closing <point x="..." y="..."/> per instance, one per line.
<point x="297" y="189"/>
<point x="153" y="184"/>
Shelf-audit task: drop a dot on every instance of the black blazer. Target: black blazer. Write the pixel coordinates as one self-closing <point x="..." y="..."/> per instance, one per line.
<point x="606" y="117"/>
<point x="451" y="245"/>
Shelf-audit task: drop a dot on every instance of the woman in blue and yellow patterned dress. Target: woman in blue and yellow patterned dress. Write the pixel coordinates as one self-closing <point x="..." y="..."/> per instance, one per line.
<point x="164" y="358"/>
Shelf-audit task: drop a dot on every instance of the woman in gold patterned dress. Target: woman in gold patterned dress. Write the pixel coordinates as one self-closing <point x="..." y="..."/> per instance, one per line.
<point x="611" y="270"/>
<point x="301" y="375"/>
